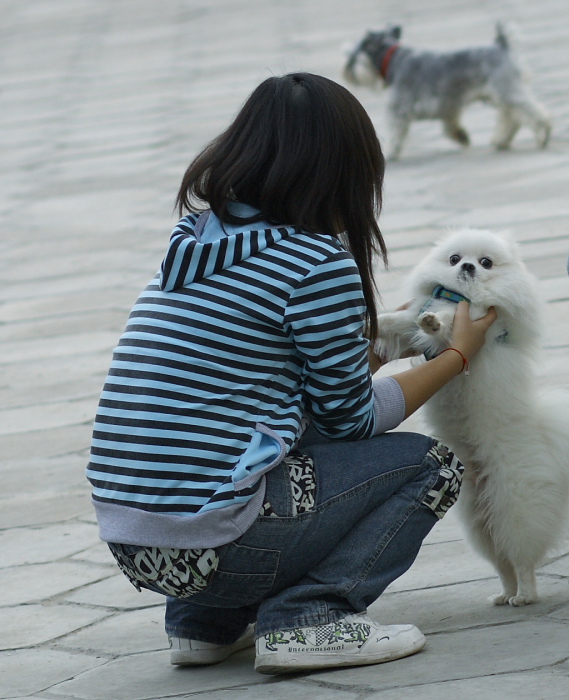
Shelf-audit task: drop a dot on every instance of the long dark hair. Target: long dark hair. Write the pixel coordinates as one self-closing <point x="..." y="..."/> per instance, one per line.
<point x="304" y="152"/>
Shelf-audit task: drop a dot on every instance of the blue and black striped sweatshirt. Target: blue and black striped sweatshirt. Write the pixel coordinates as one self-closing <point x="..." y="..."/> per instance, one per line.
<point x="243" y="335"/>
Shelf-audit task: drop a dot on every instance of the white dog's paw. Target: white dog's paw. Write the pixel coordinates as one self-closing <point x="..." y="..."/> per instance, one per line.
<point x="515" y="601"/>
<point x="429" y="323"/>
<point x="502" y="599"/>
<point x="395" y="331"/>
<point x="386" y="351"/>
<point x="518" y="600"/>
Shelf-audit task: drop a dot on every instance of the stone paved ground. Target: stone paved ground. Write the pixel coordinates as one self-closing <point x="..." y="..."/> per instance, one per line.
<point x="102" y="105"/>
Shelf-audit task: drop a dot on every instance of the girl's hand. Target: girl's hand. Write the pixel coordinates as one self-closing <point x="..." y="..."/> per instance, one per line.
<point x="469" y="336"/>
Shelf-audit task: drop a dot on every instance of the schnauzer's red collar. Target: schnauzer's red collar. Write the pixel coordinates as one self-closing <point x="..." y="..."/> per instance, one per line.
<point x="387" y="60"/>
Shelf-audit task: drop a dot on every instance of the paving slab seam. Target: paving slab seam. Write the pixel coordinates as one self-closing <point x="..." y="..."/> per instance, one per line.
<point x="490" y="625"/>
<point x="377" y="692"/>
<point x="361" y="691"/>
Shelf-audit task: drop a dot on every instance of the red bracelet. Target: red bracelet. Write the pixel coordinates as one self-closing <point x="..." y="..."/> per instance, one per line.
<point x="464" y="360"/>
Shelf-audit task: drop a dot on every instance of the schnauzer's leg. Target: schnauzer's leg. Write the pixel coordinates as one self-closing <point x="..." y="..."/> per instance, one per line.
<point x="542" y="134"/>
<point x="399" y="127"/>
<point x="455" y="131"/>
<point x="525" y="110"/>
<point x="506" y="128"/>
<point x="532" y="113"/>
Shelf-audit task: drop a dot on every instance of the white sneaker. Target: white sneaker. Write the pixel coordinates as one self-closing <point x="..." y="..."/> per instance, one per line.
<point x="191" y="652"/>
<point x="355" y="640"/>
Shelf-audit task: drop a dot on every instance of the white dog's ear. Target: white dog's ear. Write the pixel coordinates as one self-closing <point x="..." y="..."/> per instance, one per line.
<point x="507" y="236"/>
<point x="511" y="244"/>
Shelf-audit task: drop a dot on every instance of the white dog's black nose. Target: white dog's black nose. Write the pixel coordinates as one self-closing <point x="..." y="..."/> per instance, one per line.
<point x="468" y="269"/>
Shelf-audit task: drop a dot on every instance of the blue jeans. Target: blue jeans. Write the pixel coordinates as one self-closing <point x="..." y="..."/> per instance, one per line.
<point x="365" y="530"/>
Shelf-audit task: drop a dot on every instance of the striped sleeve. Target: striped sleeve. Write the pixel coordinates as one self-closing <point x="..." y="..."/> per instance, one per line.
<point x="325" y="317"/>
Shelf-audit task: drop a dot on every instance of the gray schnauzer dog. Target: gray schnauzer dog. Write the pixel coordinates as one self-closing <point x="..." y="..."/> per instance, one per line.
<point x="439" y="85"/>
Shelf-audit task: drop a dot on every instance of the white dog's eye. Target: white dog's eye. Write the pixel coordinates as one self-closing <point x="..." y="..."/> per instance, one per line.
<point x="486" y="263"/>
<point x="454" y="260"/>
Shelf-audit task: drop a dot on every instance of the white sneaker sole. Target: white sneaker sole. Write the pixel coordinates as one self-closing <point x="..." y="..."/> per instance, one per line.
<point x="214" y="655"/>
<point x="273" y="663"/>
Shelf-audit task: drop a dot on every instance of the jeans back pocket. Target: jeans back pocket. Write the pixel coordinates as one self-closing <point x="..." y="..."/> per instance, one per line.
<point x="244" y="576"/>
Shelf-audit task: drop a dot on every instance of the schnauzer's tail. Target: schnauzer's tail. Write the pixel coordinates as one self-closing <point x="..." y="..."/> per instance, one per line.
<point x="502" y="36"/>
<point x="508" y="36"/>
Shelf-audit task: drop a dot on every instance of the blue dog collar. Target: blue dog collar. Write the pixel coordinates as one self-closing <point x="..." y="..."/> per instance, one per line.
<point x="440" y="292"/>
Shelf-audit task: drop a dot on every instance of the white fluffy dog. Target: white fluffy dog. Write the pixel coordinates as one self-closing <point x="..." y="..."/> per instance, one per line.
<point x="512" y="436"/>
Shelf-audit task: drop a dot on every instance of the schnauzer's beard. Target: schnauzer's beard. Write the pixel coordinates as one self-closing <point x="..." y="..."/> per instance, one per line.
<point x="361" y="72"/>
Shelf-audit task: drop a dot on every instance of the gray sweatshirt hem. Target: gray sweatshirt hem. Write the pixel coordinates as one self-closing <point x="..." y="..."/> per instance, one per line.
<point x="126" y="525"/>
